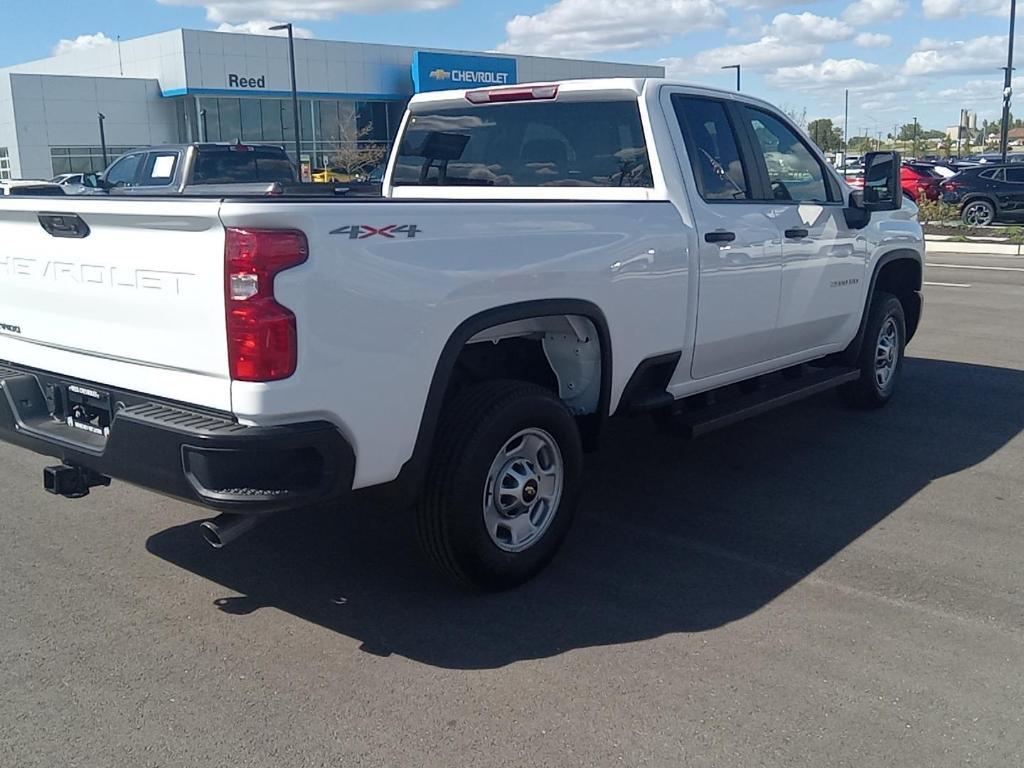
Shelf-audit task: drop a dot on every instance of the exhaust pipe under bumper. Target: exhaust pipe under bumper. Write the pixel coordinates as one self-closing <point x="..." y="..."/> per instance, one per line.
<point x="225" y="528"/>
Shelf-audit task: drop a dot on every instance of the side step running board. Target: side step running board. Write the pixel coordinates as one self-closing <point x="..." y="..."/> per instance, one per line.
<point x="774" y="396"/>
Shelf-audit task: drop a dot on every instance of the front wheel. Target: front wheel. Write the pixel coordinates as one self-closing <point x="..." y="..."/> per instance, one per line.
<point x="881" y="355"/>
<point x="503" y="484"/>
<point x="978" y="213"/>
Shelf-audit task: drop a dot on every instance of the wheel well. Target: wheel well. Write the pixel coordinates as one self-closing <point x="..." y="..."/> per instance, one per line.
<point x="976" y="197"/>
<point x="561" y="353"/>
<point x="902" y="278"/>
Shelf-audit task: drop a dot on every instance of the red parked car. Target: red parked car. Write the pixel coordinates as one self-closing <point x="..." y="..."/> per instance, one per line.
<point x="918" y="180"/>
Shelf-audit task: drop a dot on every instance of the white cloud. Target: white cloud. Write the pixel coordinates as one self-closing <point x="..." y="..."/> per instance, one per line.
<point x="873" y="40"/>
<point x="764" y="4"/>
<point x="979" y="54"/>
<point x="954" y="9"/>
<point x="574" y="27"/>
<point x="262" y="27"/>
<point x="827" y="74"/>
<point x="82" y="43"/>
<point x="869" y="11"/>
<point x="810" y="27"/>
<point x="304" y="10"/>
<point x="767" y="53"/>
<point x="980" y="91"/>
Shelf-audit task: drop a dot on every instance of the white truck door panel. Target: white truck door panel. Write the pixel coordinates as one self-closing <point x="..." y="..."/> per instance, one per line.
<point x="822" y="269"/>
<point x="823" y="259"/>
<point x="740" y="283"/>
<point x="740" y="244"/>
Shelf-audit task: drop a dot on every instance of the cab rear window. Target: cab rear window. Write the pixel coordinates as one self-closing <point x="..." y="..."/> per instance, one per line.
<point x="532" y="144"/>
<point x="230" y="165"/>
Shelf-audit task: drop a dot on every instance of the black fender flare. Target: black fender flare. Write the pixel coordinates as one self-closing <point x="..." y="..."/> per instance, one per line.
<point x="899" y="254"/>
<point x="405" y="488"/>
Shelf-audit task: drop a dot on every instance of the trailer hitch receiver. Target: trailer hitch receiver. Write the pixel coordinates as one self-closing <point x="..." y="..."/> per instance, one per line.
<point x="72" y="482"/>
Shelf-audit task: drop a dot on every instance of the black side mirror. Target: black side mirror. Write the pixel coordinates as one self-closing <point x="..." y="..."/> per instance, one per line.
<point x="883" y="190"/>
<point x="857" y="216"/>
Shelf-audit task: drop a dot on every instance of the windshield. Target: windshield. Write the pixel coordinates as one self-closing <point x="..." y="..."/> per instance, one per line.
<point x="229" y="165"/>
<point x="529" y="144"/>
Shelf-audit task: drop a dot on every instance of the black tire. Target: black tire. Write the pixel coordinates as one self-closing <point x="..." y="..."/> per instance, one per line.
<point x="475" y="426"/>
<point x="868" y="391"/>
<point x="978" y="213"/>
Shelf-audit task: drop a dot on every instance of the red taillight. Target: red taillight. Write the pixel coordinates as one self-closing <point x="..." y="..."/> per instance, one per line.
<point x="950" y="186"/>
<point x="499" y="95"/>
<point x="262" y="335"/>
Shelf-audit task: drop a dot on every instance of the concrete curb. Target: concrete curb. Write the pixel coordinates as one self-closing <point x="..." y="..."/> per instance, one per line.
<point x="949" y="246"/>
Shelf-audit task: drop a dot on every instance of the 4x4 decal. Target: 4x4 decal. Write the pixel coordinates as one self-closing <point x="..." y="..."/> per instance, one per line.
<point x="364" y="231"/>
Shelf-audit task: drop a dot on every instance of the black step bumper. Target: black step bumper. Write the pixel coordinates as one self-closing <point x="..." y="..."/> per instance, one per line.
<point x="203" y="458"/>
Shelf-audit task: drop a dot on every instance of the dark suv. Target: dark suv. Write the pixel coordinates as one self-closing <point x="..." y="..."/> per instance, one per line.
<point x="987" y="193"/>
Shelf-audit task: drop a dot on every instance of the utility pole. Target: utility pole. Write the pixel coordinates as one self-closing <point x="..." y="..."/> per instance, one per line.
<point x="915" y="139"/>
<point x="1008" y="85"/>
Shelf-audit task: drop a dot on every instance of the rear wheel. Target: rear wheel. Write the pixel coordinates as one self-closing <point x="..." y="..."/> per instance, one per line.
<point x="978" y="213"/>
<point x="881" y="356"/>
<point x="503" y="484"/>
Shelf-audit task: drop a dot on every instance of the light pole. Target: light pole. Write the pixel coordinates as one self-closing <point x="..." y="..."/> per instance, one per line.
<point x="915" y="138"/>
<point x="103" y="138"/>
<point x="295" y="89"/>
<point x="1008" y="85"/>
<point x="846" y="123"/>
<point x="737" y="68"/>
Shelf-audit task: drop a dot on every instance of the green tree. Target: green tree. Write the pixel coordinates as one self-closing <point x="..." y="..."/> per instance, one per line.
<point x="946" y="146"/>
<point x="861" y="143"/>
<point x="827" y="136"/>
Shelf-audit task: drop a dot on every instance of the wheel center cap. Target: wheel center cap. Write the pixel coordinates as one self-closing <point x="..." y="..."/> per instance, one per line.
<point x="530" y="491"/>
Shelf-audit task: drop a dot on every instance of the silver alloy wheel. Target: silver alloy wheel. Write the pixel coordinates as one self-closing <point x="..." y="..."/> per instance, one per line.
<point x="887" y="353"/>
<point x="978" y="214"/>
<point x="524" y="486"/>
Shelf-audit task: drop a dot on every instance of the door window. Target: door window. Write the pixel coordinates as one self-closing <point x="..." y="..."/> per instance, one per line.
<point x="713" y="149"/>
<point x="794" y="172"/>
<point x="1015" y="175"/>
<point x="158" y="170"/>
<point x="124" y="171"/>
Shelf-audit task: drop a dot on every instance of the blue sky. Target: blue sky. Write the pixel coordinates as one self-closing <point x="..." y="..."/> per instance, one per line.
<point x="899" y="58"/>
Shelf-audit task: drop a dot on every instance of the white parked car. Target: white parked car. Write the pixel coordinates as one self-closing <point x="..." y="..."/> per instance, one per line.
<point x="547" y="257"/>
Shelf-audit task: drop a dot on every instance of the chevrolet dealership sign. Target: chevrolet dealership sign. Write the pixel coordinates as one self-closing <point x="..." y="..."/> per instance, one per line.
<point x="445" y="71"/>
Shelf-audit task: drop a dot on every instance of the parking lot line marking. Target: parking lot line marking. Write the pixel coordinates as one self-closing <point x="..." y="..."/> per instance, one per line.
<point x="950" y="285"/>
<point x="968" y="266"/>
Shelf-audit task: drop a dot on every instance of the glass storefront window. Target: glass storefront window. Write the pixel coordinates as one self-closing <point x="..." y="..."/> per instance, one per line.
<point x="270" y="110"/>
<point x="83" y="159"/>
<point x="230" y="120"/>
<point x="328" y="126"/>
<point x="252" y="120"/>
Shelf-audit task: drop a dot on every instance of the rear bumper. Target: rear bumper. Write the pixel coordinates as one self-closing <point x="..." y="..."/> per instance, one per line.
<point x="203" y="458"/>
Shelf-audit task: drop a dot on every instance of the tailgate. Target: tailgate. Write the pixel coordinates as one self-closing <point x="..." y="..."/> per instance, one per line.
<point x="135" y="299"/>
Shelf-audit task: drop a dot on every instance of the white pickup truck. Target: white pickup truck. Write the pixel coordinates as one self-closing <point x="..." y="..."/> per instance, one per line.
<point x="545" y="257"/>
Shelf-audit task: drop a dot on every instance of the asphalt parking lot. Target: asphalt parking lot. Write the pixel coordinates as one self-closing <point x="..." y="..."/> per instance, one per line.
<point x="817" y="587"/>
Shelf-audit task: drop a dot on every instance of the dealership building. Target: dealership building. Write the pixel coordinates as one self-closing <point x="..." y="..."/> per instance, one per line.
<point x="190" y="85"/>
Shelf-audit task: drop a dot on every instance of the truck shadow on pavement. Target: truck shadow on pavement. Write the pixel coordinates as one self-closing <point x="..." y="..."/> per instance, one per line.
<point x="672" y="536"/>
